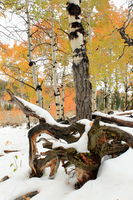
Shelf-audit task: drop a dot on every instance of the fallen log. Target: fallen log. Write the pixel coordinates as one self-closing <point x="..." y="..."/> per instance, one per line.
<point x="65" y="133"/>
<point x="113" y="119"/>
<point x="102" y="140"/>
<point x="99" y="141"/>
<point x="27" y="196"/>
<point x="44" y="116"/>
<point x="32" y="110"/>
<point x="127" y="112"/>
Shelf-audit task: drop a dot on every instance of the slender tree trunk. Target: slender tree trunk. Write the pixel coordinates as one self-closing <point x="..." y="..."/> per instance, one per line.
<point x="80" y="61"/>
<point x="107" y="97"/>
<point x="126" y="95"/>
<point x="62" y="95"/>
<point x="94" y="105"/>
<point x="109" y="100"/>
<point x="132" y="101"/>
<point x="55" y="78"/>
<point x="32" y="64"/>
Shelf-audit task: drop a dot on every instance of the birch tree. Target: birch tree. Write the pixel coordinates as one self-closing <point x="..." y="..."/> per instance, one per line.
<point x="80" y="61"/>
<point x="54" y="69"/>
<point x="32" y="63"/>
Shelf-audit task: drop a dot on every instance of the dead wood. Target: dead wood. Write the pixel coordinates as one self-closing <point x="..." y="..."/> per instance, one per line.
<point x="27" y="196"/>
<point x="114" y="120"/>
<point x="107" y="140"/>
<point x="102" y="140"/>
<point x="130" y="112"/>
<point x="65" y="133"/>
<point x="26" y="110"/>
<point x="4" y="179"/>
<point x="11" y="151"/>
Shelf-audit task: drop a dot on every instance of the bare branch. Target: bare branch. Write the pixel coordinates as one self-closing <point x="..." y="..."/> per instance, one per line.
<point x="16" y="79"/>
<point x="61" y="29"/>
<point x="40" y="44"/>
<point x="124" y="48"/>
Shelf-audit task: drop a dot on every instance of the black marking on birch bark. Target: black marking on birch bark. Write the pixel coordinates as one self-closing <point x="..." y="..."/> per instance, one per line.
<point x="38" y="87"/>
<point x="85" y="59"/>
<point x="81" y="52"/>
<point x="76" y="25"/>
<point x="57" y="104"/>
<point x="74" y="34"/>
<point x="73" y="9"/>
<point x="76" y="17"/>
<point x="78" y="50"/>
<point x="31" y="63"/>
<point x="85" y="42"/>
<point x="56" y="94"/>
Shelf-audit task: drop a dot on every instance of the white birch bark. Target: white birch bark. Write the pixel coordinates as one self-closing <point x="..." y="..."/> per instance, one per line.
<point x="54" y="69"/>
<point x="31" y="60"/>
<point x="80" y="61"/>
<point x="94" y="106"/>
<point x="62" y="95"/>
<point x="78" y="41"/>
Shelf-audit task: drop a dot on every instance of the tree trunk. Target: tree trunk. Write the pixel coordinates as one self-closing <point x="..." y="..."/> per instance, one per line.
<point x="126" y="94"/>
<point x="55" y="78"/>
<point x="62" y="95"/>
<point x="32" y="63"/>
<point x="105" y="96"/>
<point x="80" y="61"/>
<point x="94" y="104"/>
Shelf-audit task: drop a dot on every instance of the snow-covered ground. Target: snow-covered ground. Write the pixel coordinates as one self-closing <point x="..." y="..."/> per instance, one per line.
<point x="114" y="181"/>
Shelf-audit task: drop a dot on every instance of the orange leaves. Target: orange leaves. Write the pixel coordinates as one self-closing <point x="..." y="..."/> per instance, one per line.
<point x="69" y="104"/>
<point x="69" y="100"/>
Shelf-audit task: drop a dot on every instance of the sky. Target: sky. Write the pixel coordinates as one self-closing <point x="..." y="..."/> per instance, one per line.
<point x="123" y="3"/>
<point x="12" y="24"/>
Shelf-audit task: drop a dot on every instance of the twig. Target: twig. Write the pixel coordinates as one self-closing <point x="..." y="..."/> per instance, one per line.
<point x="18" y="80"/>
<point x="124" y="48"/>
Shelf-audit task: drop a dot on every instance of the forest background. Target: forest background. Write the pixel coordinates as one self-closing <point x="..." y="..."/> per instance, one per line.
<point x="36" y="57"/>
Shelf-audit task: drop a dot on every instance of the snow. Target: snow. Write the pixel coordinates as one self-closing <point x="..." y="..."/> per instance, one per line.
<point x="114" y="181"/>
<point x="114" y="115"/>
<point x="126" y="112"/>
<point x="82" y="143"/>
<point x="41" y="112"/>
